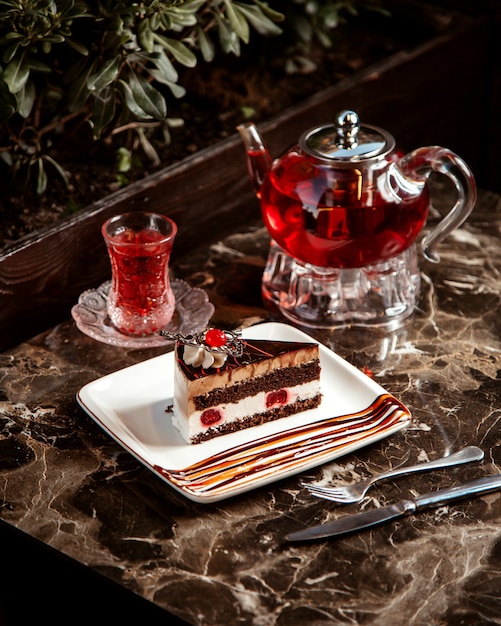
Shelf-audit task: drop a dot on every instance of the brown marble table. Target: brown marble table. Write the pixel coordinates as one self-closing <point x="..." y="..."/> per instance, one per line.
<point x="67" y="485"/>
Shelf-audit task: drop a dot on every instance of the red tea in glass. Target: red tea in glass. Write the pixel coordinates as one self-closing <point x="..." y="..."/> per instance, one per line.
<point x="141" y="301"/>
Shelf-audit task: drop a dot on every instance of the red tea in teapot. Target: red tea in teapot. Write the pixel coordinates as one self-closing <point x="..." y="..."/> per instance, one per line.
<point x="337" y="222"/>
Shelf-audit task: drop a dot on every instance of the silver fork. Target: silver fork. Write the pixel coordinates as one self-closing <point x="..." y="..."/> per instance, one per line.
<point x="351" y="494"/>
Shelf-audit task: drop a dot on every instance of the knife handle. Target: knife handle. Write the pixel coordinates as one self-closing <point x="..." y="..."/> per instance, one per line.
<point x="466" y="490"/>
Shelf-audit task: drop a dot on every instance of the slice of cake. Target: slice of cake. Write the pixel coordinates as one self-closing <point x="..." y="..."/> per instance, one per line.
<point x="223" y="383"/>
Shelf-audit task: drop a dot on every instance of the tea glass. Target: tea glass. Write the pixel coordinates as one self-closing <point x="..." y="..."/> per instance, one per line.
<point x="141" y="301"/>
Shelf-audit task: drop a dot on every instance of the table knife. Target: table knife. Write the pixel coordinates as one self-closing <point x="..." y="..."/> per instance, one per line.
<point x="374" y="517"/>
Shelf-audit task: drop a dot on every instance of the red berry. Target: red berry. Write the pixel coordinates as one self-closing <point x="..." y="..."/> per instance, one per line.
<point x="210" y="416"/>
<point x="215" y="338"/>
<point x="276" y="397"/>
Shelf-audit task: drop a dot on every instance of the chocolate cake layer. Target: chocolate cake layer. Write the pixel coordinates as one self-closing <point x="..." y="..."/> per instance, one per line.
<point x="287" y="377"/>
<point x="261" y="418"/>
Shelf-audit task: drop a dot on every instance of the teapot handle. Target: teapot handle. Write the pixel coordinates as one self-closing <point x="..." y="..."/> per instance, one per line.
<point x="417" y="166"/>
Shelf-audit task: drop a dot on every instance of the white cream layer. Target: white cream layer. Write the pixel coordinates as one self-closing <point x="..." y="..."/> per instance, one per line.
<point x="190" y="426"/>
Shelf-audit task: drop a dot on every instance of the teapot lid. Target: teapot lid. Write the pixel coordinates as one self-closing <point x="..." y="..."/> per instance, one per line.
<point x="347" y="140"/>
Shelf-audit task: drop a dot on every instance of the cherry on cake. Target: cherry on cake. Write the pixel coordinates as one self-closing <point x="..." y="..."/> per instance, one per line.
<point x="223" y="383"/>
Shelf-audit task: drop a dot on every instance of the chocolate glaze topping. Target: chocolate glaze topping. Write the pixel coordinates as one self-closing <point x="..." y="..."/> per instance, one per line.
<point x="253" y="351"/>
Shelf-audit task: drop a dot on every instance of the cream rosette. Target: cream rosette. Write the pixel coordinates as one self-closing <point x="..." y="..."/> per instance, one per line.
<point x="198" y="356"/>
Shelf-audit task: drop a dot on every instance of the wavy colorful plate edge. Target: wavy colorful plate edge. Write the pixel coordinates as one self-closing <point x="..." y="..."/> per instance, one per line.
<point x="290" y="450"/>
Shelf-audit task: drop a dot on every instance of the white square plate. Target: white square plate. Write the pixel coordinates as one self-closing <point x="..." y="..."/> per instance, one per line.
<point x="133" y="404"/>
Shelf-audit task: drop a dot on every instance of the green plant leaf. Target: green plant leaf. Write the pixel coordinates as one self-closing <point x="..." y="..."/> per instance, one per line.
<point x="190" y="6"/>
<point x="130" y="102"/>
<point x="145" y="36"/>
<point x="106" y="74"/>
<point x="182" y="19"/>
<point x="227" y="38"/>
<point x="8" y="102"/>
<point x="164" y="65"/>
<point x="177" y="90"/>
<point x="78" y="46"/>
<point x="26" y="98"/>
<point x="324" y="39"/>
<point x="248" y="112"/>
<point x="276" y="16"/>
<point x="206" y="46"/>
<point x="16" y="73"/>
<point x="10" y="35"/>
<point x="304" y="29"/>
<point x="58" y="168"/>
<point x="6" y="155"/>
<point x="103" y="111"/>
<point x="155" y="21"/>
<point x="124" y="159"/>
<point x="179" y="51"/>
<point x="237" y="21"/>
<point x="10" y="51"/>
<point x="260" y="22"/>
<point x="38" y="65"/>
<point x="78" y="92"/>
<point x="41" y="184"/>
<point x="147" y="97"/>
<point x="56" y="38"/>
<point x="147" y="147"/>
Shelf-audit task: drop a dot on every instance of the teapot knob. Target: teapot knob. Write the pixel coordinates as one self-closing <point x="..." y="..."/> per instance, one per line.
<point x="347" y="126"/>
<point x="347" y="141"/>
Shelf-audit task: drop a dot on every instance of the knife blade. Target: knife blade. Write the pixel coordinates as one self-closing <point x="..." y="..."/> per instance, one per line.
<point x="374" y="517"/>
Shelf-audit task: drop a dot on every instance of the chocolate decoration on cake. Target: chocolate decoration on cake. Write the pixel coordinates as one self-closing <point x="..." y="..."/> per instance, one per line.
<point x="212" y="340"/>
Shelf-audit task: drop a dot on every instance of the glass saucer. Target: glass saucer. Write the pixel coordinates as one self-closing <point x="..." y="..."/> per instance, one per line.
<point x="192" y="314"/>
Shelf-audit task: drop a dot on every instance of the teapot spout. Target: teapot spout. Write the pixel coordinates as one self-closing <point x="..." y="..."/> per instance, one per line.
<point x="258" y="157"/>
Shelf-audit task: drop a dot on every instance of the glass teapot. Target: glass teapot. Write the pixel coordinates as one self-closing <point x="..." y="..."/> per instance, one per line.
<point x="344" y="208"/>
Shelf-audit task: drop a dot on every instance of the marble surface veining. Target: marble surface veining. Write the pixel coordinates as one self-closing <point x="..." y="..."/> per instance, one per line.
<point x="64" y="481"/>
